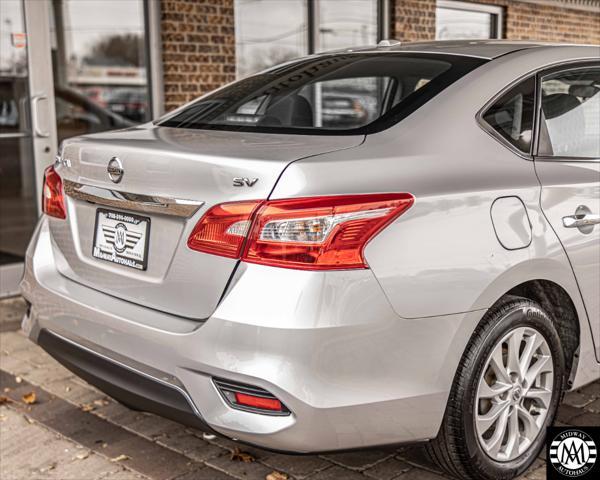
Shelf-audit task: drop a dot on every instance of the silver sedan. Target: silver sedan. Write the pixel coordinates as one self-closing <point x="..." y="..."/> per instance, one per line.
<point x="365" y="247"/>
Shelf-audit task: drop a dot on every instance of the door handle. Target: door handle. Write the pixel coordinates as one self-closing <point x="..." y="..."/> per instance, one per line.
<point x="34" y="110"/>
<point x="576" y="221"/>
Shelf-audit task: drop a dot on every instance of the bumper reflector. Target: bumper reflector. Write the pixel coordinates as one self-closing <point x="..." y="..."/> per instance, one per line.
<point x="250" y="398"/>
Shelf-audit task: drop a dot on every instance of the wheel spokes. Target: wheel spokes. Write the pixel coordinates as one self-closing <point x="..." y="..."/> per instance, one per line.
<point x="492" y="391"/>
<point x="514" y="436"/>
<point x="514" y="350"/>
<point x="543" y="364"/>
<point x="497" y="365"/>
<point x="533" y="342"/>
<point x="541" y="395"/>
<point x="488" y="419"/>
<point x="494" y="444"/>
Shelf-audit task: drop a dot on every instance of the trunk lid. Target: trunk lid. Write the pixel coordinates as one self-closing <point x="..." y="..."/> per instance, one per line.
<point x="161" y="163"/>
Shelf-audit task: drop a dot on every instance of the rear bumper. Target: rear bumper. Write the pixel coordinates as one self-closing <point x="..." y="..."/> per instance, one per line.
<point x="328" y="345"/>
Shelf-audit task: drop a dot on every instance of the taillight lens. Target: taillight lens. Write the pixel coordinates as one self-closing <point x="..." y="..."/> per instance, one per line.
<point x="53" y="200"/>
<point x="321" y="233"/>
<point x="318" y="233"/>
<point x="223" y="229"/>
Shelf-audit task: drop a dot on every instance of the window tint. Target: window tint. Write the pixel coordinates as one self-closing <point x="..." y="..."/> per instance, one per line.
<point x="512" y="115"/>
<point x="571" y="114"/>
<point x="349" y="94"/>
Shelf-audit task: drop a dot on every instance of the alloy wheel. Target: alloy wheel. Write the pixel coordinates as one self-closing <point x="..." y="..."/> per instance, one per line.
<point x="514" y="394"/>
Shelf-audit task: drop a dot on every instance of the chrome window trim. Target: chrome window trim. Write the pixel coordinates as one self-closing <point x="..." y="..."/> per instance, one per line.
<point x="175" y="207"/>
<point x="486" y="127"/>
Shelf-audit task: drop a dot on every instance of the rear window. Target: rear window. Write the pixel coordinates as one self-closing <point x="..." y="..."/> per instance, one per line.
<point x="349" y="94"/>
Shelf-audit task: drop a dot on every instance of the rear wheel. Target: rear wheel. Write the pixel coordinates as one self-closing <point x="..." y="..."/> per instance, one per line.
<point x="506" y="392"/>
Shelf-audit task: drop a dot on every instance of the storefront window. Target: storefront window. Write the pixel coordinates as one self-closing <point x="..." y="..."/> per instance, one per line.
<point x="99" y="63"/>
<point x="464" y="20"/>
<point x="269" y="32"/>
<point x="346" y="24"/>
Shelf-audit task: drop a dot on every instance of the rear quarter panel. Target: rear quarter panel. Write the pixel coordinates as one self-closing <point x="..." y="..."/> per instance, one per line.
<point x="443" y="256"/>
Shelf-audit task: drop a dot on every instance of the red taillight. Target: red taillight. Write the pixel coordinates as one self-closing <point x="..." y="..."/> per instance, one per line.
<point x="53" y="201"/>
<point x="322" y="233"/>
<point x="223" y="229"/>
<point x="261" y="403"/>
<point x="319" y="233"/>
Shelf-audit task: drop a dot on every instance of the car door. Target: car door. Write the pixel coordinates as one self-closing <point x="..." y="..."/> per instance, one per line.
<point x="568" y="166"/>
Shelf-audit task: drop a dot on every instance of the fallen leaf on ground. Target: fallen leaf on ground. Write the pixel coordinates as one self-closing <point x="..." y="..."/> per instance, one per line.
<point x="4" y="400"/>
<point x="18" y="379"/>
<point x="52" y="466"/>
<point x="276" y="476"/>
<point x="82" y="455"/>
<point x="238" y="456"/>
<point x="120" y="458"/>
<point x="29" y="398"/>
<point x="87" y="407"/>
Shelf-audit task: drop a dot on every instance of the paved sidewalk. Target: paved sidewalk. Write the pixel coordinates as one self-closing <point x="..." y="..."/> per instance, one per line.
<point x="74" y="431"/>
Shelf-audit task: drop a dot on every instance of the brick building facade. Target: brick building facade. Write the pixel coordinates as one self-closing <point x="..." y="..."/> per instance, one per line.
<point x="199" y="40"/>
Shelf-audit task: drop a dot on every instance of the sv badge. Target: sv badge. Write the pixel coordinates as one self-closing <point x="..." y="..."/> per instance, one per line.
<point x="244" y="182"/>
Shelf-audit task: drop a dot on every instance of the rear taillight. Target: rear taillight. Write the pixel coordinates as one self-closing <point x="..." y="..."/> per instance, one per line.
<point x="319" y="233"/>
<point x="53" y="200"/>
<point x="223" y="229"/>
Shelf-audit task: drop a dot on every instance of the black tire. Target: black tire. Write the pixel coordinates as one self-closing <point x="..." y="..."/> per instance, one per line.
<point x="457" y="449"/>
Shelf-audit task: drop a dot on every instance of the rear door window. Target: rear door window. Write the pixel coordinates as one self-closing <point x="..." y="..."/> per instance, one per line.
<point x="511" y="116"/>
<point x="570" y="123"/>
<point x="330" y="94"/>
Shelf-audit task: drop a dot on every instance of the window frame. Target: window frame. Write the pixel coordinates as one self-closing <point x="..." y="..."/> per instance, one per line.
<point x="540" y="76"/>
<point x="496" y="10"/>
<point x="538" y="73"/>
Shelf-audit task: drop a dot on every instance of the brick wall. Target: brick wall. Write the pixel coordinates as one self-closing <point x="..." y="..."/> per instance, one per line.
<point x="526" y="21"/>
<point x="198" y="36"/>
<point x="198" y="48"/>
<point x="412" y="20"/>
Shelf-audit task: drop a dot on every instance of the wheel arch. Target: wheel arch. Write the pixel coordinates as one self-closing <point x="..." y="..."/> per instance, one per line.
<point x="555" y="300"/>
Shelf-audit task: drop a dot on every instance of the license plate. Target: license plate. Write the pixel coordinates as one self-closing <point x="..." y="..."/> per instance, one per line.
<point x="121" y="238"/>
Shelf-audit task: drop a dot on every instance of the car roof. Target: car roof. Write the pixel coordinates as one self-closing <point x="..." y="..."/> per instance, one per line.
<point x="488" y="49"/>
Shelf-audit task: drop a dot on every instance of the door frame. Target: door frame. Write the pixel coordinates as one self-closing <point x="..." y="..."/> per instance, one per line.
<point x="41" y="109"/>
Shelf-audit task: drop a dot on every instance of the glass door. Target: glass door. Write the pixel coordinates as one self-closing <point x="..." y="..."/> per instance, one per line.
<point x="67" y="68"/>
<point x="18" y="189"/>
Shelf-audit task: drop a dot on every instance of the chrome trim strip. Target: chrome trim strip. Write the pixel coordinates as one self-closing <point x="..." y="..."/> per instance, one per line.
<point x="136" y="202"/>
<point x="179" y="389"/>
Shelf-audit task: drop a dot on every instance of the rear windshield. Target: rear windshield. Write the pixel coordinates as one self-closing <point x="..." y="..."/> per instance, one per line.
<point x="353" y="93"/>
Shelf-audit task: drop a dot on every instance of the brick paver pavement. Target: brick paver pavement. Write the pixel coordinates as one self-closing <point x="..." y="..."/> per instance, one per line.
<point x="74" y="431"/>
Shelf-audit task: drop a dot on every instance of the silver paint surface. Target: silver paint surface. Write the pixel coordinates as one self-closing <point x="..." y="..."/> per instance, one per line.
<point x="361" y="357"/>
